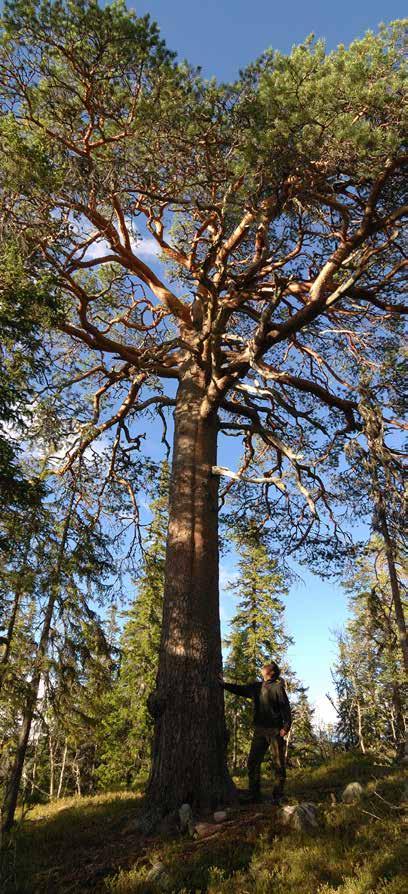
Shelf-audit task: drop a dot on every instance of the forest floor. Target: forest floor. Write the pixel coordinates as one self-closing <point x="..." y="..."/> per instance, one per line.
<point x="87" y="844"/>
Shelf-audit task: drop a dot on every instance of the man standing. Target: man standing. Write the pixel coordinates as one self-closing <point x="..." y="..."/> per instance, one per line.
<point x="272" y="721"/>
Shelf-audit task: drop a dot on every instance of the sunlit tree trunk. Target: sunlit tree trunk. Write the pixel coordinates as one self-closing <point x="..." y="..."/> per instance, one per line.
<point x="34" y="770"/>
<point x="235" y="742"/>
<point x="77" y="775"/>
<point x="189" y="750"/>
<point x="62" y="770"/>
<point x="52" y="764"/>
<point x="360" y="726"/>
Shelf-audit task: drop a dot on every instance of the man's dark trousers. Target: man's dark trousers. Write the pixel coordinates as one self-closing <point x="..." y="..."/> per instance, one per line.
<point x="263" y="739"/>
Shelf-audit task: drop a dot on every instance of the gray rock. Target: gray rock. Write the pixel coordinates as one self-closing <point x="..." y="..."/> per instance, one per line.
<point x="220" y="816"/>
<point x="186" y="819"/>
<point x="302" y="817"/>
<point x="352" y="793"/>
<point x="205" y="830"/>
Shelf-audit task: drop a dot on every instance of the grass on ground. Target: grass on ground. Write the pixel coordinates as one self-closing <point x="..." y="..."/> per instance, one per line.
<point x="78" y="844"/>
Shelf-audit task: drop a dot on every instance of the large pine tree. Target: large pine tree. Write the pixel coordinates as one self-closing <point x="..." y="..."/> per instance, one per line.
<point x="277" y="202"/>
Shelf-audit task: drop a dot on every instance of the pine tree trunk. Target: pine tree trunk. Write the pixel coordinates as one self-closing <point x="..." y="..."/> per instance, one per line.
<point x="52" y="766"/>
<point x="77" y="775"/>
<point x="34" y="770"/>
<point x="189" y="749"/>
<point x="360" y="727"/>
<point x="62" y="771"/>
<point x="235" y="742"/>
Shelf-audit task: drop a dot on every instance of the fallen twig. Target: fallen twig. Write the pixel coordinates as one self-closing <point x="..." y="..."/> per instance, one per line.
<point x="388" y="803"/>
<point x="374" y="815"/>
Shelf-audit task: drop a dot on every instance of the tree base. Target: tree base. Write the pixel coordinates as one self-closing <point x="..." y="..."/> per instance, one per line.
<point x="157" y="817"/>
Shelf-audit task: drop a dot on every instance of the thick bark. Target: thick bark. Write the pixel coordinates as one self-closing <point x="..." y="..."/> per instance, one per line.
<point x="189" y="751"/>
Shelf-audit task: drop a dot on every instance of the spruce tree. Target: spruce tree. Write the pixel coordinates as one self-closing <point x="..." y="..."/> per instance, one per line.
<point x="127" y="726"/>
<point x="303" y="747"/>
<point x="48" y="617"/>
<point x="369" y="673"/>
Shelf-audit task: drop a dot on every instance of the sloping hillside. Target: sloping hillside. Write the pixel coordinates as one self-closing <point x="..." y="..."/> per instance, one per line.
<point x="88" y="844"/>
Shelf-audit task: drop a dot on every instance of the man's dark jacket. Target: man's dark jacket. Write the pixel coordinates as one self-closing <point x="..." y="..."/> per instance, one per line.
<point x="271" y="704"/>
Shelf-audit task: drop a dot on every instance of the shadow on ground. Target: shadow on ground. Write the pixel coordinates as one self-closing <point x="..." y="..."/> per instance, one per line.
<point x="86" y="844"/>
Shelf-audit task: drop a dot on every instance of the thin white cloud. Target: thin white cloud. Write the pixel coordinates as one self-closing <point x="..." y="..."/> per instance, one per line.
<point x="97" y="250"/>
<point x="143" y="248"/>
<point x="143" y="245"/>
<point x="227" y="576"/>
<point x="147" y="248"/>
<point x="324" y="711"/>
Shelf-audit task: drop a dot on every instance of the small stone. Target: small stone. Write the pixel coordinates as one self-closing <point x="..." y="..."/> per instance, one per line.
<point x="186" y="817"/>
<point x="352" y="793"/>
<point x="286" y="814"/>
<point x="220" y="816"/>
<point x="302" y="817"/>
<point x="203" y="830"/>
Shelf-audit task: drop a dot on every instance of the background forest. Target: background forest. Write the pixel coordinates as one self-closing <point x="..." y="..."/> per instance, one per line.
<point x="184" y="264"/>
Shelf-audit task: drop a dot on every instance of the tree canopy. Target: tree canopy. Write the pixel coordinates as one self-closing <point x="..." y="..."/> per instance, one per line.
<point x="274" y="207"/>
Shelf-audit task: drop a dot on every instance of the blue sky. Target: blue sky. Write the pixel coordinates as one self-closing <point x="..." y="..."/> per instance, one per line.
<point x="224" y="35"/>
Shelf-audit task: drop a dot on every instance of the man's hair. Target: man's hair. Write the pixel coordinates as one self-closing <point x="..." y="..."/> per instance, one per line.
<point x="272" y="666"/>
